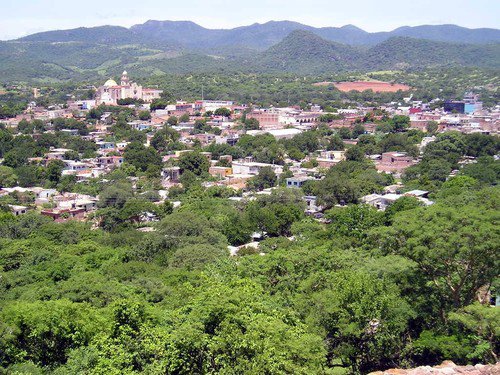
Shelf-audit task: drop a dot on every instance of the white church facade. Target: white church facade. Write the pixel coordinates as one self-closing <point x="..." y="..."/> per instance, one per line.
<point x="111" y="91"/>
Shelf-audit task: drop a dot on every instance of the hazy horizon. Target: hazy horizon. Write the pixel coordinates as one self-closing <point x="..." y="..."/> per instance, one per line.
<point x="37" y="16"/>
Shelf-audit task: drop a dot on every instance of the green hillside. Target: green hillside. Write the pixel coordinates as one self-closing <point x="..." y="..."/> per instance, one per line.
<point x="87" y="54"/>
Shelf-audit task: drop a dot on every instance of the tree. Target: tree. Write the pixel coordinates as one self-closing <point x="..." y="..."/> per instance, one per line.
<point x="172" y="121"/>
<point x="8" y="177"/>
<point x="158" y="104"/>
<point x="354" y="220"/>
<point x="400" y="205"/>
<point x="184" y="117"/>
<point x="194" y="162"/>
<point x="144" y="115"/>
<point x="344" y="133"/>
<point x="6" y="139"/>
<point x="296" y="154"/>
<point x="335" y="144"/>
<point x="16" y="158"/>
<point x="362" y="316"/>
<point x="266" y="178"/>
<point x="275" y="214"/>
<point x="481" y="145"/>
<point x="251" y="124"/>
<point x="54" y="170"/>
<point x="355" y="153"/>
<point x="400" y="123"/>
<point x="45" y="331"/>
<point x="358" y="130"/>
<point x="25" y="127"/>
<point x="225" y="112"/>
<point x="486" y="170"/>
<point x="455" y="249"/>
<point x="432" y="127"/>
<point x="482" y="322"/>
<point x="159" y="141"/>
<point x="115" y="195"/>
<point x="141" y="156"/>
<point x="194" y="257"/>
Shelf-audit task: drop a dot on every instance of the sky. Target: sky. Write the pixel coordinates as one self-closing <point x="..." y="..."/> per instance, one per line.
<point x="24" y="17"/>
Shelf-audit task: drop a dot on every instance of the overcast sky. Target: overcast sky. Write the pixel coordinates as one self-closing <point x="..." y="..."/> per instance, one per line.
<point x="23" y="17"/>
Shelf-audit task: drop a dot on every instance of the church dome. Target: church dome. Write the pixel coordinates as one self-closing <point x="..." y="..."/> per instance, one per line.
<point x="110" y="83"/>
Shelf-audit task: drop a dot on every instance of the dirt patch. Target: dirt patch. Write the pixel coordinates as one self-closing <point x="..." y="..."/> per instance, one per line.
<point x="376" y="86"/>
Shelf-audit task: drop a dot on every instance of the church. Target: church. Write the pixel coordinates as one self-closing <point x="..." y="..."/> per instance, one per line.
<point x="111" y="91"/>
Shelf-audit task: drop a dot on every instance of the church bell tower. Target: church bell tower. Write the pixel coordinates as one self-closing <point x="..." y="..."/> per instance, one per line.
<point x="125" y="80"/>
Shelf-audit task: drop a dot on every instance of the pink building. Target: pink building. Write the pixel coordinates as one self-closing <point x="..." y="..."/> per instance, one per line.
<point x="266" y="119"/>
<point x="394" y="162"/>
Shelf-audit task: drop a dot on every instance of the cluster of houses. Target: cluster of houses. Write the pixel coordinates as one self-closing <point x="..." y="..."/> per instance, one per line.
<point x="51" y="203"/>
<point x="282" y="123"/>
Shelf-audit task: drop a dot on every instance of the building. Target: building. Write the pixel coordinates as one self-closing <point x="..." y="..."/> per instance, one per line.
<point x="18" y="210"/>
<point x="297" y="182"/>
<point x="395" y="162"/>
<point x="253" y="168"/>
<point x="267" y="119"/>
<point x="328" y="159"/>
<point x="212" y="105"/>
<point x="472" y="103"/>
<point x="469" y="105"/>
<point x="110" y="161"/>
<point x="454" y="106"/>
<point x="111" y="91"/>
<point x="220" y="172"/>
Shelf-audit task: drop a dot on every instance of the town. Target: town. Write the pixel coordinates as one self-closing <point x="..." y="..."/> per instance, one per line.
<point x="299" y="146"/>
<point x="144" y="233"/>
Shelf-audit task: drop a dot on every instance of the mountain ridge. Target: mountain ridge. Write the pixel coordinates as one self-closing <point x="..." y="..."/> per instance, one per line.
<point x="263" y="35"/>
<point x="163" y="47"/>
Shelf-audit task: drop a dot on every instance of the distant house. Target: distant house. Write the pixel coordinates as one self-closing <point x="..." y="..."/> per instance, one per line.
<point x="253" y="168"/>
<point x="72" y="167"/>
<point x="61" y="215"/>
<point x="105" y="146"/>
<point x="18" y="210"/>
<point x="395" y="162"/>
<point x="328" y="159"/>
<point x="138" y="125"/>
<point x="172" y="174"/>
<point x="380" y="202"/>
<point x="220" y="172"/>
<point x="110" y="161"/>
<point x="297" y="182"/>
<point x="312" y="206"/>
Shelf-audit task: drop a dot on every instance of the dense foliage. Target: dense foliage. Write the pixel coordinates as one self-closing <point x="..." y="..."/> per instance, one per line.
<point x="366" y="291"/>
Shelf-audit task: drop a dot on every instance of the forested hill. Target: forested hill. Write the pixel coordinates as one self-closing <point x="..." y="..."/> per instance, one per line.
<point x="98" y="53"/>
<point x="304" y="51"/>
<point x="262" y="36"/>
<point x="405" y="51"/>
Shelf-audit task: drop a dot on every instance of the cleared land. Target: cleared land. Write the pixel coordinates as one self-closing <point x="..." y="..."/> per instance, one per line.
<point x="376" y="86"/>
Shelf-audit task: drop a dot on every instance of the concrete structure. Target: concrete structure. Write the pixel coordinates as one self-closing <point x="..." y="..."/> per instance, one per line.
<point x="220" y="172"/>
<point x="328" y="159"/>
<point x="253" y="168"/>
<point x="18" y="210"/>
<point x="297" y="182"/>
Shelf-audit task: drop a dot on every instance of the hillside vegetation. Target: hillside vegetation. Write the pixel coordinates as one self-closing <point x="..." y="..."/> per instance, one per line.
<point x="158" y="48"/>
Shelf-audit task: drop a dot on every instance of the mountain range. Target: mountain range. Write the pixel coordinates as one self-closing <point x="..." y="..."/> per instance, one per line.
<point x="159" y="47"/>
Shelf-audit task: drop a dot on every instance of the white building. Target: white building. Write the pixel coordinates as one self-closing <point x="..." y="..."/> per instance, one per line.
<point x="111" y="91"/>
